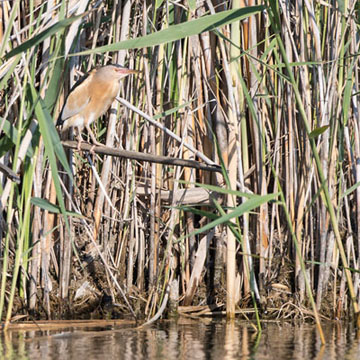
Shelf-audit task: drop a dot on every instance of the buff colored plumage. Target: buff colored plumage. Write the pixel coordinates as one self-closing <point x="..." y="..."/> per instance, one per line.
<point x="91" y="98"/>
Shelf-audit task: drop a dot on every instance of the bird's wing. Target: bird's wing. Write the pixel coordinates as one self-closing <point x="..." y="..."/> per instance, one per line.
<point x="78" y="98"/>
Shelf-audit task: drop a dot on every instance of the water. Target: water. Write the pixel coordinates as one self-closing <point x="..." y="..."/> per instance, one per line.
<point x="186" y="339"/>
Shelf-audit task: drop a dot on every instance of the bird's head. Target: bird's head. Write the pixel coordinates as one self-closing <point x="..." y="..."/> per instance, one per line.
<point x="114" y="72"/>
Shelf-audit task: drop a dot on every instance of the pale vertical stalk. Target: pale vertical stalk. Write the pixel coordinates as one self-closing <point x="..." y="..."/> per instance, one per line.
<point x="36" y="252"/>
<point x="296" y="181"/>
<point x="355" y="45"/>
<point x="243" y="152"/>
<point x="65" y="261"/>
<point x="46" y="243"/>
<point x="231" y="241"/>
<point x="33" y="269"/>
<point x="96" y="19"/>
<point x="324" y="150"/>
<point x="74" y="26"/>
<point x="154" y="169"/>
<point x="289" y="147"/>
<point x="111" y="131"/>
<point x="205" y="141"/>
<point x="232" y="173"/>
<point x="189" y="176"/>
<point x="259" y="150"/>
<point x="215" y="116"/>
<point x="158" y="84"/>
<point x="131" y="245"/>
<point x="141" y="256"/>
<point x="188" y="133"/>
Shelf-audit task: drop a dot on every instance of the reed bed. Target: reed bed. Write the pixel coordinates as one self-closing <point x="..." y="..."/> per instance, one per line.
<point x="269" y="91"/>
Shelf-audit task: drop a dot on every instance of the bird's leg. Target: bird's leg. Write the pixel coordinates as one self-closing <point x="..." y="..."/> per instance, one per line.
<point x="93" y="139"/>
<point x="80" y="139"/>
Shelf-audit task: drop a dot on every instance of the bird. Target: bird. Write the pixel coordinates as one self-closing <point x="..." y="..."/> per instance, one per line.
<point x="90" y="98"/>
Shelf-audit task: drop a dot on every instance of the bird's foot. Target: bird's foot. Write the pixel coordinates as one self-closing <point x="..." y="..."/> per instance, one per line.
<point x="92" y="152"/>
<point x="95" y="143"/>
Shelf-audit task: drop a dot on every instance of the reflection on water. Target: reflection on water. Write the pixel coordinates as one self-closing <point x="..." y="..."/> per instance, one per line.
<point x="189" y="339"/>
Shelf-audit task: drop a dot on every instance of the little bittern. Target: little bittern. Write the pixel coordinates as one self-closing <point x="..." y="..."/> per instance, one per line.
<point x="91" y="98"/>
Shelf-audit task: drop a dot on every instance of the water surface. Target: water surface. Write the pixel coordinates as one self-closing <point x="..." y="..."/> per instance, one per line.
<point x="186" y="339"/>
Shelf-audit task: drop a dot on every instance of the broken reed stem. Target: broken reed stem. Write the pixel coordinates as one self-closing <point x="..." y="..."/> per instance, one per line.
<point x="133" y="155"/>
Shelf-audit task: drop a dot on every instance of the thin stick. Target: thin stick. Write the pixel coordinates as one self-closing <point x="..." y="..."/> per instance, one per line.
<point x="141" y="156"/>
<point x="101" y="185"/>
<point x="166" y="130"/>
